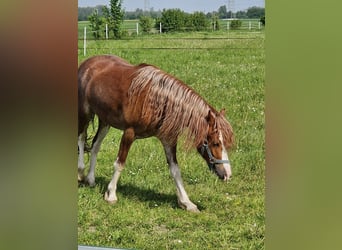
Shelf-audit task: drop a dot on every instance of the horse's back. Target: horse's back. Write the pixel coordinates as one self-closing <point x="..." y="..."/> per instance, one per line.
<point x="97" y="64"/>
<point x="104" y="82"/>
<point x="105" y="59"/>
<point x="101" y="69"/>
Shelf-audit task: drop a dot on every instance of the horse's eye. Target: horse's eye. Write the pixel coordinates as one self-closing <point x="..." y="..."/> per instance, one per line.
<point x="216" y="144"/>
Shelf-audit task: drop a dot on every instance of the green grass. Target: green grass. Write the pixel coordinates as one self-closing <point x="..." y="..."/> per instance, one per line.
<point x="226" y="69"/>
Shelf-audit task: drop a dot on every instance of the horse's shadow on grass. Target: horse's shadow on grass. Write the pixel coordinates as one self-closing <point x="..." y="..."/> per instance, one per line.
<point x="150" y="196"/>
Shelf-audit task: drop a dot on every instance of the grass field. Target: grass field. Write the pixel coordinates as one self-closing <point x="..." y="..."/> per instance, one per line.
<point x="226" y="69"/>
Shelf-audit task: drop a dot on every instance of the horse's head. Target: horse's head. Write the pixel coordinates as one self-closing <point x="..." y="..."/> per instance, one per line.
<point x="213" y="150"/>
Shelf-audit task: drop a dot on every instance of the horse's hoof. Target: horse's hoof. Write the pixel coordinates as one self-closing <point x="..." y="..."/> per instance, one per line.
<point x="189" y="207"/>
<point x="90" y="182"/>
<point x="193" y="210"/>
<point x="93" y="184"/>
<point x="80" y="177"/>
<point x="110" y="201"/>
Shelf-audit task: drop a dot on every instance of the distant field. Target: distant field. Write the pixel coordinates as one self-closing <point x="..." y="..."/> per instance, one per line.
<point x="228" y="70"/>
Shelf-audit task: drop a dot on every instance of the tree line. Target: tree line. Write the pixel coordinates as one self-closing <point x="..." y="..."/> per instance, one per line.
<point x="169" y="20"/>
<point x="222" y="13"/>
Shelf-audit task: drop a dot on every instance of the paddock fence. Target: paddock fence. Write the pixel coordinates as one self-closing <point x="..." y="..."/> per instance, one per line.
<point x="133" y="28"/>
<point x="250" y="29"/>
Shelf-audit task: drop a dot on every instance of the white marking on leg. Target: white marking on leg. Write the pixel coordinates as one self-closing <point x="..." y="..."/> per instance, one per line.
<point x="226" y="166"/>
<point x="110" y="195"/>
<point x="181" y="193"/>
<point x="93" y="154"/>
<point x="81" y="143"/>
<point x="183" y="198"/>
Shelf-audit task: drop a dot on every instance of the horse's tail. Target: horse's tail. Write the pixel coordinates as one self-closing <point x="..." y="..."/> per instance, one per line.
<point x="89" y="138"/>
<point x="85" y="115"/>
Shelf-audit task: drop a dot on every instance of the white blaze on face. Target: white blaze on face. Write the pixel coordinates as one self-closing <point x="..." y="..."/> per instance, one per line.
<point x="226" y="166"/>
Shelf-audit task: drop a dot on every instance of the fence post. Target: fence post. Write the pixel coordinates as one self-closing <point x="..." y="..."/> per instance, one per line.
<point x="227" y="25"/>
<point x="250" y="25"/>
<point x="259" y="25"/>
<point x="160" y="28"/>
<point x="137" y="25"/>
<point x="106" y="31"/>
<point x="85" y="41"/>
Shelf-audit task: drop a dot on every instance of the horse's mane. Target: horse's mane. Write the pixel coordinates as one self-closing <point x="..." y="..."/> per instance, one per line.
<point x="173" y="107"/>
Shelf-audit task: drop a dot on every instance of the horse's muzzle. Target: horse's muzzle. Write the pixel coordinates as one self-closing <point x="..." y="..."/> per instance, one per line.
<point x="220" y="171"/>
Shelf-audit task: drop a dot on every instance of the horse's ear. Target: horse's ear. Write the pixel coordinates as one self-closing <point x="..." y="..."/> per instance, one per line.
<point x="223" y="112"/>
<point x="211" y="118"/>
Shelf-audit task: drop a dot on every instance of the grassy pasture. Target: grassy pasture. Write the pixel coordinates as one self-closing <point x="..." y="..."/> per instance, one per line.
<point x="226" y="69"/>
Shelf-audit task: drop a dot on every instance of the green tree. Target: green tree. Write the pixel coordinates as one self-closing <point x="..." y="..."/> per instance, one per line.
<point x="95" y="24"/>
<point x="114" y="17"/>
<point x="222" y="12"/>
<point x="241" y="14"/>
<point x="146" y="23"/>
<point x="199" y="21"/>
<point x="172" y="20"/>
<point x="177" y="20"/>
<point x="85" y="12"/>
<point x="255" y="12"/>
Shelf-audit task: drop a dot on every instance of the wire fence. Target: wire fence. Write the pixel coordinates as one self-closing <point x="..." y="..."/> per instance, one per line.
<point x="132" y="28"/>
<point x="221" y="39"/>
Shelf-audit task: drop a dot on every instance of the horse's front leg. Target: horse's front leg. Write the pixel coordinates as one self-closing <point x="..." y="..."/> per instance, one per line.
<point x="183" y="199"/>
<point x="127" y="139"/>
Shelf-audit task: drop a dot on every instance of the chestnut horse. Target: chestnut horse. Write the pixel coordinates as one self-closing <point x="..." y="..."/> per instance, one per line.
<point x="144" y="101"/>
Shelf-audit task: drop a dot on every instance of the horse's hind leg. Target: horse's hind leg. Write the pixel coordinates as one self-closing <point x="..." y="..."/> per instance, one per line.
<point x="82" y="136"/>
<point x="95" y="148"/>
<point x="81" y="143"/>
<point x="183" y="199"/>
<point x="84" y="117"/>
<point x="127" y="139"/>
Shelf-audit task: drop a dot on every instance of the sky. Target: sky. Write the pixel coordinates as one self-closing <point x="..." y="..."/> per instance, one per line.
<point x="185" y="5"/>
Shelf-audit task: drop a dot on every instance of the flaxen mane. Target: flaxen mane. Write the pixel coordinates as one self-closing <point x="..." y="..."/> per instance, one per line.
<point x="174" y="107"/>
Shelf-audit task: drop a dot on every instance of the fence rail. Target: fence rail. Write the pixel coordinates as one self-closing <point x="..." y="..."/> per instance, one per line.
<point x="133" y="28"/>
<point x="245" y="32"/>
